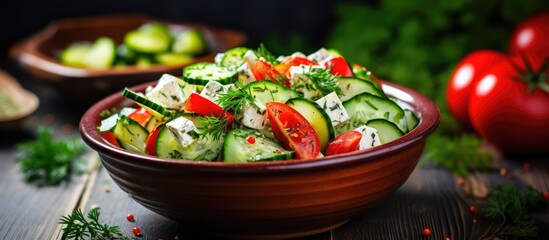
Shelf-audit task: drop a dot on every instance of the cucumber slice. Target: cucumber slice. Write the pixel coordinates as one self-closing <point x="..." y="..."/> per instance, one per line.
<point x="238" y="149"/>
<point x="155" y="109"/>
<point x="366" y="75"/>
<point x="101" y="54"/>
<point x="173" y="59"/>
<point x="388" y="131"/>
<point x="190" y="42"/>
<point x="203" y="148"/>
<point x="75" y="54"/>
<point x="149" y="38"/>
<point x="365" y="106"/>
<point x="201" y="73"/>
<point x="130" y="134"/>
<point x="351" y="87"/>
<point x="317" y="117"/>
<point x="411" y="119"/>
<point x="233" y="57"/>
<point x="267" y="91"/>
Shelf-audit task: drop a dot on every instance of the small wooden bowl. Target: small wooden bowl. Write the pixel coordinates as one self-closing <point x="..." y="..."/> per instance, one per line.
<point x="265" y="200"/>
<point x="25" y="102"/>
<point x="85" y="86"/>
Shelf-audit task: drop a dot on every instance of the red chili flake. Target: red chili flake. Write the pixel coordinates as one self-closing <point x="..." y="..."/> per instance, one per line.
<point x="136" y="231"/>
<point x="250" y="140"/>
<point x="447" y="238"/>
<point x="461" y="182"/>
<point x="546" y="195"/>
<point x="526" y="166"/>
<point x="475" y="221"/>
<point x="426" y="232"/>
<point x="130" y="217"/>
<point x="472" y="209"/>
<point x="509" y="176"/>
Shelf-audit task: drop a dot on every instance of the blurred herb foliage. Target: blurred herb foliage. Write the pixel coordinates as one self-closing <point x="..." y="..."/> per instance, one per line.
<point x="417" y="44"/>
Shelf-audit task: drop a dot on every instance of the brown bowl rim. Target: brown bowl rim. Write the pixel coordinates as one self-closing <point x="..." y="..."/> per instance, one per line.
<point x="427" y="109"/>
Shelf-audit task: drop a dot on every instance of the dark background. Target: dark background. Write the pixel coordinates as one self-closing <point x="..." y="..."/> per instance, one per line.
<point x="258" y="19"/>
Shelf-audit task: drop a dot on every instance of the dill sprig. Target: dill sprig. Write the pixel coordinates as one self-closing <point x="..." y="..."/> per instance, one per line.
<point x="511" y="205"/>
<point x="262" y="51"/>
<point x="234" y="99"/>
<point x="459" y="154"/>
<point x="212" y="126"/>
<point x="78" y="227"/>
<point x="46" y="161"/>
<point x="324" y="80"/>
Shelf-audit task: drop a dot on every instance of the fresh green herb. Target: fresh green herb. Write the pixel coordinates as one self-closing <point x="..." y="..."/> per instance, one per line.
<point x="213" y="126"/>
<point x="324" y="80"/>
<point x="265" y="54"/>
<point x="510" y="205"/>
<point x="235" y="99"/>
<point x="459" y="154"/>
<point x="78" y="227"/>
<point x="47" y="162"/>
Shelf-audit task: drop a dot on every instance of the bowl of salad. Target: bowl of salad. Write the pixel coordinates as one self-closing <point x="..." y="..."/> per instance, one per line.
<point x="256" y="146"/>
<point x="87" y="58"/>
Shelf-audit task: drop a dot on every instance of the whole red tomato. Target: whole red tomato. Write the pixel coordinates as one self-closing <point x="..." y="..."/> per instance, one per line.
<point x="466" y="74"/>
<point x="531" y="36"/>
<point x="509" y="106"/>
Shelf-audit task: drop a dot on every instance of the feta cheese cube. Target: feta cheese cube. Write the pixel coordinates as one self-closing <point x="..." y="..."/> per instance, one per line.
<point x="250" y="57"/>
<point x="370" y="137"/>
<point x="253" y="117"/>
<point x="320" y="56"/>
<point x="218" y="57"/>
<point x="245" y="74"/>
<point x="302" y="84"/>
<point x="168" y="93"/>
<point x="214" y="90"/>
<point x="183" y="130"/>
<point x="334" y="108"/>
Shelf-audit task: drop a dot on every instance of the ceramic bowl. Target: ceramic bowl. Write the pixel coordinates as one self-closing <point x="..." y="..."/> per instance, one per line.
<point x="85" y="86"/>
<point x="14" y="96"/>
<point x="265" y="200"/>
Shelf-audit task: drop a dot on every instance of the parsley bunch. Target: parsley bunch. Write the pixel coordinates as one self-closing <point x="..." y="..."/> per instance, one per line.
<point x="46" y="161"/>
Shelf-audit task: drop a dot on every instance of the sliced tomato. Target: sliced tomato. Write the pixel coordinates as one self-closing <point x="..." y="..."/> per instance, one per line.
<point x="204" y="107"/>
<point x="263" y="70"/>
<point x="344" y="143"/>
<point x="150" y="144"/>
<point x="285" y="65"/>
<point x="140" y="115"/>
<point x="339" y="67"/>
<point x="110" y="138"/>
<point x="293" y="130"/>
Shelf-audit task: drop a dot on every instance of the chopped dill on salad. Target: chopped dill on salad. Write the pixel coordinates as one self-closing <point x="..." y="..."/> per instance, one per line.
<point x="248" y="106"/>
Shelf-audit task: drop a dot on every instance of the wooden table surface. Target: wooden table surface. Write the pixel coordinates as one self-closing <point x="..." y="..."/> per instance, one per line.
<point x="431" y="198"/>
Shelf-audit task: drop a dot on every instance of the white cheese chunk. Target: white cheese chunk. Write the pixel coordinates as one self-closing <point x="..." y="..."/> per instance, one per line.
<point x="301" y="83"/>
<point x="252" y="117"/>
<point x="245" y="74"/>
<point x="168" y="93"/>
<point x="320" y="56"/>
<point x="183" y="130"/>
<point x="370" y="137"/>
<point x="334" y="108"/>
<point x="218" y="58"/>
<point x="250" y="57"/>
<point x="214" y="90"/>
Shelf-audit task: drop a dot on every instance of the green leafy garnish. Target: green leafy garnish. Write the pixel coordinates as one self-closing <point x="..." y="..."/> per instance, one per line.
<point x="234" y="100"/>
<point x="46" y="161"/>
<point x="78" y="227"/>
<point x="510" y="205"/>
<point x="324" y="80"/>
<point x="458" y="154"/>
<point x="213" y="126"/>
<point x="262" y="52"/>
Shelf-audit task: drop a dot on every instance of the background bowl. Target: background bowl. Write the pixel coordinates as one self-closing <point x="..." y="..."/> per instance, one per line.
<point x="280" y="199"/>
<point x="85" y="86"/>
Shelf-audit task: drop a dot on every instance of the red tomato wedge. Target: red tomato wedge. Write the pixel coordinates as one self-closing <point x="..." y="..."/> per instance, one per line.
<point x="140" y="115"/>
<point x="339" y="67"/>
<point x="204" y="107"/>
<point x="344" y="143"/>
<point x="293" y="130"/>
<point x="285" y="65"/>
<point x="263" y="70"/>
<point x="110" y="138"/>
<point x="150" y="144"/>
